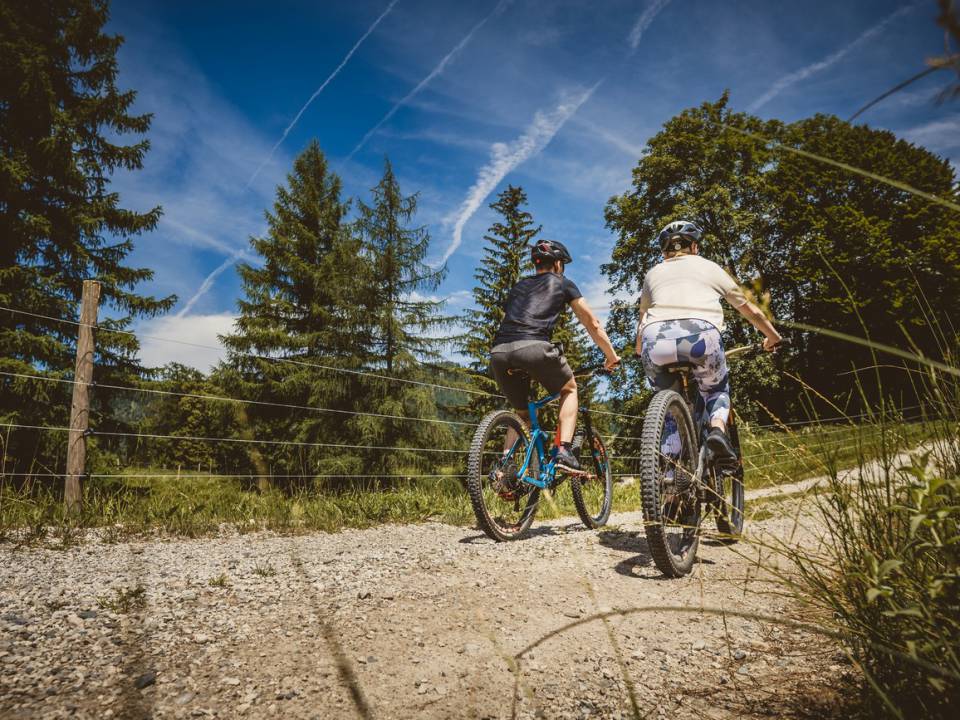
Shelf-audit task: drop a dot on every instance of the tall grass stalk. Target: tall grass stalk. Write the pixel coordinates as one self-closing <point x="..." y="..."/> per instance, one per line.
<point x="884" y="572"/>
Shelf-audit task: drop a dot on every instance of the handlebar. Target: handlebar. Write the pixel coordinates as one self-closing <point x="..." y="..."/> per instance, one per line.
<point x="753" y="348"/>
<point x="597" y="369"/>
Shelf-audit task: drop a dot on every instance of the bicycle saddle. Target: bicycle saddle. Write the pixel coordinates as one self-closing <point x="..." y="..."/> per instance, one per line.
<point x="679" y="367"/>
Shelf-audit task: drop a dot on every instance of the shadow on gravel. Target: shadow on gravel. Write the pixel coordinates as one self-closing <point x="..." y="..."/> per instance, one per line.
<point x="631" y="542"/>
<point x="540" y="531"/>
<point x="634" y="542"/>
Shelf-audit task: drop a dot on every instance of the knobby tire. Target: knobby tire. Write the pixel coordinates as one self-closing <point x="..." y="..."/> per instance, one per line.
<point x="593" y="457"/>
<point x="477" y="473"/>
<point x="669" y="562"/>
<point x="730" y="506"/>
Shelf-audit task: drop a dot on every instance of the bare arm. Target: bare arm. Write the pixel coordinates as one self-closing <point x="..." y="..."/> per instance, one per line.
<point x="755" y="317"/>
<point x="639" y="347"/>
<point x="645" y="302"/>
<point x="595" y="329"/>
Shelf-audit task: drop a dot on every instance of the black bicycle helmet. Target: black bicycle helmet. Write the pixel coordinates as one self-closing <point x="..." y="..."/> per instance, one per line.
<point x="678" y="235"/>
<point x="549" y="251"/>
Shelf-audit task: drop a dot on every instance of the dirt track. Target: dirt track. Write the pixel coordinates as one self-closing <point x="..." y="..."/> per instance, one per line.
<point x="400" y="621"/>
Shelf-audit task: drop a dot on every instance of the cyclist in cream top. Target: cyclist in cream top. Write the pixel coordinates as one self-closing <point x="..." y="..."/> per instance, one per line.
<point x="686" y="285"/>
<point x="681" y="320"/>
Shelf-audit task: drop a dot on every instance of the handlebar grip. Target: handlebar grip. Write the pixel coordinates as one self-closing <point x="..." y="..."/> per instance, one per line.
<point x="599" y="369"/>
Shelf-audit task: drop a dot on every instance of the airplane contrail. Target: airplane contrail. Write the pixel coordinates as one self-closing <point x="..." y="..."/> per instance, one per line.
<point x="208" y="281"/>
<point x="504" y="157"/>
<point x="433" y="73"/>
<point x="803" y="73"/>
<point x="643" y="22"/>
<point x="320" y="90"/>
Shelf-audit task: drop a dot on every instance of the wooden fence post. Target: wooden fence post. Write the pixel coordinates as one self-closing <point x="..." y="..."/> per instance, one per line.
<point x="80" y="407"/>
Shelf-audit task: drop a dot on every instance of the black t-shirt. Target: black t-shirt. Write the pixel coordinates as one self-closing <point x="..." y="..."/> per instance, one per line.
<point x="533" y="306"/>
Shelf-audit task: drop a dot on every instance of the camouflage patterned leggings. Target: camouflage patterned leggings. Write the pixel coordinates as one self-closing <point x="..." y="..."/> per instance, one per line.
<point x="692" y="341"/>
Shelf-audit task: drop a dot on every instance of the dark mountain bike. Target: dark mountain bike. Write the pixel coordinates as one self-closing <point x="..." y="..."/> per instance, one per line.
<point x="509" y="466"/>
<point x="681" y="480"/>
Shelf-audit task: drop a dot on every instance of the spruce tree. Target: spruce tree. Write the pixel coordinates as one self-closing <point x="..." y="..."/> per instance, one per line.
<point x="506" y="258"/>
<point x="404" y="322"/>
<point x="302" y="306"/>
<point x="62" y="124"/>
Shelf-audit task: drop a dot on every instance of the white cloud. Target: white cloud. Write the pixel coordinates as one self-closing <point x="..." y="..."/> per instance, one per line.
<point x="439" y="137"/>
<point x="803" y="73"/>
<point x="200" y="330"/>
<point x="643" y="22"/>
<point x="504" y="157"/>
<point x="202" y="148"/>
<point x="588" y="177"/>
<point x="458" y="298"/>
<point x="937" y="136"/>
<point x="433" y="74"/>
<point x="319" y="90"/>
<point x="596" y="292"/>
<point x="627" y="147"/>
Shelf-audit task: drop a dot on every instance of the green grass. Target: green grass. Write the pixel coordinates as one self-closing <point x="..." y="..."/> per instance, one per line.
<point x="124" y="600"/>
<point x="265" y="570"/>
<point x="201" y="505"/>
<point x="886" y="574"/>
<point x="777" y="457"/>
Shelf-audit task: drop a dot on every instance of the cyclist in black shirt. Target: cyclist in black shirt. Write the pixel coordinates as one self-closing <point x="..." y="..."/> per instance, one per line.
<point x="523" y="340"/>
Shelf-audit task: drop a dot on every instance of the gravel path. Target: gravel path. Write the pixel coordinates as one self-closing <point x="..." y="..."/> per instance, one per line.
<point x="414" y="621"/>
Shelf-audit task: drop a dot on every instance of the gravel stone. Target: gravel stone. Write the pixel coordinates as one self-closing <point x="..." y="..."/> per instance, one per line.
<point x="441" y="647"/>
<point x="146" y="680"/>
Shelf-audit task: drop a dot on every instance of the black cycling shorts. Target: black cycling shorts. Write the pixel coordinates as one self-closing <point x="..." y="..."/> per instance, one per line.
<point x="538" y="359"/>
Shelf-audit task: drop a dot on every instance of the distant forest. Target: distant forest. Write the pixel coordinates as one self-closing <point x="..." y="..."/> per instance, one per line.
<point x="339" y="362"/>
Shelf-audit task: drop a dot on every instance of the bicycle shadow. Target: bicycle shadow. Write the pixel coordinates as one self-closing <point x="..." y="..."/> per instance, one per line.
<point x="539" y="531"/>
<point x="633" y="542"/>
<point x="627" y="541"/>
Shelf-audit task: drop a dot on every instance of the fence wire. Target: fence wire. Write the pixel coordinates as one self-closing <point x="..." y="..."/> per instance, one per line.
<point x="223" y="398"/>
<point x="837" y="424"/>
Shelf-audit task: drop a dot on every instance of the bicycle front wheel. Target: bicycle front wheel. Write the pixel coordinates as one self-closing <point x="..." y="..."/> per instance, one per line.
<point x="668" y="461"/>
<point x="728" y="481"/>
<point x="504" y="505"/>
<point x="593" y="491"/>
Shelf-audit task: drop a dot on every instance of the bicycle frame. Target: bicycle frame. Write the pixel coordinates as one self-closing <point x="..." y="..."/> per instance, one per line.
<point x="547" y="461"/>
<point x="701" y="420"/>
<point x="548" y="468"/>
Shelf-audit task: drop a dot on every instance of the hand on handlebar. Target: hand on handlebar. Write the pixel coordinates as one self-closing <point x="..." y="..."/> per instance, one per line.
<point x="771" y="345"/>
<point x="611" y="363"/>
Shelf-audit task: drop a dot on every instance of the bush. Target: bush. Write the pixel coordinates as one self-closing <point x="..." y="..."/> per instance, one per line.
<point x="888" y="570"/>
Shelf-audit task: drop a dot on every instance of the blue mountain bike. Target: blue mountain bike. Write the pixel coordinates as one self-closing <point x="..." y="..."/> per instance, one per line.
<point x="510" y="465"/>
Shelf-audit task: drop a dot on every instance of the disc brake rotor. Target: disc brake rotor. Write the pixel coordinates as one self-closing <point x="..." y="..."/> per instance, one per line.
<point x="506" y="483"/>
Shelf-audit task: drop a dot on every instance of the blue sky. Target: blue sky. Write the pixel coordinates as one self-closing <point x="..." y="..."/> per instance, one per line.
<point x="558" y="96"/>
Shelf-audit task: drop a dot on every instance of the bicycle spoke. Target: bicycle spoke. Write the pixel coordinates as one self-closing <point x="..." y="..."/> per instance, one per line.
<point x="503" y="503"/>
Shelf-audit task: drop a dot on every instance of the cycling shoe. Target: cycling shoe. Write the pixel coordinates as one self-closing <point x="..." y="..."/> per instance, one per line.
<point x="719" y="444"/>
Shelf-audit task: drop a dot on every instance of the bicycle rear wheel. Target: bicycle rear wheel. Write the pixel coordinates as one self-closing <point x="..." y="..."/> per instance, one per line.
<point x="671" y="508"/>
<point x="504" y="505"/>
<point x="593" y="492"/>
